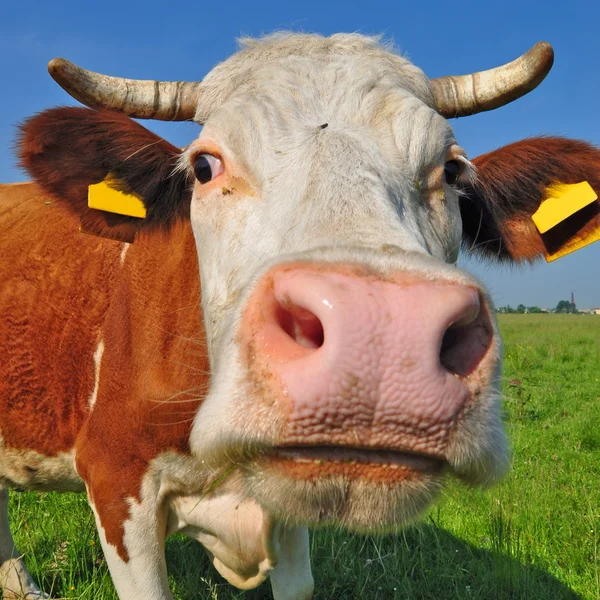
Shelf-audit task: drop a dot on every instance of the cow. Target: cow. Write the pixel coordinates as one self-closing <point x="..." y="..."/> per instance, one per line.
<point x="288" y="340"/>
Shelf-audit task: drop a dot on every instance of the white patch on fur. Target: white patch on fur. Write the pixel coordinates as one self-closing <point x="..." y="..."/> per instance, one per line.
<point x="120" y="571"/>
<point x="124" y="250"/>
<point x="233" y="530"/>
<point x="245" y="544"/>
<point x="143" y="576"/>
<point x="30" y="470"/>
<point x="97" y="362"/>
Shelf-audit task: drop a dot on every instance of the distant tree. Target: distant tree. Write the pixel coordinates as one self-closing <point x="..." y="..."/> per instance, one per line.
<point x="521" y="309"/>
<point x="565" y="306"/>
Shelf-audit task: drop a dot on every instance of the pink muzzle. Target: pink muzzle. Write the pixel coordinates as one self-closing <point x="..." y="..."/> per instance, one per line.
<point x="354" y="360"/>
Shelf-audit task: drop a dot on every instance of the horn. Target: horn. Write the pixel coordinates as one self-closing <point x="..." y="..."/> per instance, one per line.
<point x="463" y="95"/>
<point x="142" y="99"/>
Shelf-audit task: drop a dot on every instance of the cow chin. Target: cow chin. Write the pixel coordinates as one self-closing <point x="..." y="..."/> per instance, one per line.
<point x="373" y="491"/>
<point x="362" y="498"/>
<point x="363" y="489"/>
<point x="324" y="479"/>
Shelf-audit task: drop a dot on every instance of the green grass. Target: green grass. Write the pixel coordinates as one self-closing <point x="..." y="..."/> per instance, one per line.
<point x="536" y="535"/>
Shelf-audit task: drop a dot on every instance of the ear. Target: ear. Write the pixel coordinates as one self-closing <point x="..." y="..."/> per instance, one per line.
<point x="66" y="150"/>
<point x="512" y="182"/>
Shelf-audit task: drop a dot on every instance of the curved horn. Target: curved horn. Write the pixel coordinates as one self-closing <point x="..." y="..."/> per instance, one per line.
<point x="142" y="99"/>
<point x="465" y="95"/>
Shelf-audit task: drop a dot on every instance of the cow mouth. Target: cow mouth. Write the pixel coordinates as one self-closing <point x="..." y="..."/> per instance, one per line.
<point x="365" y="457"/>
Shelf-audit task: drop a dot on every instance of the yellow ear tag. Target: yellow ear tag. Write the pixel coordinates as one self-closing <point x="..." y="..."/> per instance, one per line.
<point x="567" y="209"/>
<point x="562" y="201"/>
<point x="101" y="196"/>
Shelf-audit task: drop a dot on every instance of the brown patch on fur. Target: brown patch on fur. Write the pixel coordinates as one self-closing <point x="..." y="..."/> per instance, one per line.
<point x="154" y="374"/>
<point x="61" y="293"/>
<point x="239" y="186"/>
<point x="108" y="225"/>
<point x="522" y="239"/>
<point x="511" y="184"/>
<point x="56" y="288"/>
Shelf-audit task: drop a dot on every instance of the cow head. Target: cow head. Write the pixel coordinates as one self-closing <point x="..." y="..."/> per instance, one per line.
<point x="353" y="365"/>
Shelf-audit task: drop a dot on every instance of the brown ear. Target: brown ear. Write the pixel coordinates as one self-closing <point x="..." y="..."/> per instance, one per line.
<point x="67" y="149"/>
<point x="511" y="184"/>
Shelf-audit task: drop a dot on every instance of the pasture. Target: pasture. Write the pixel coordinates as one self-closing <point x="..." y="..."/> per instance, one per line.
<point x="536" y="535"/>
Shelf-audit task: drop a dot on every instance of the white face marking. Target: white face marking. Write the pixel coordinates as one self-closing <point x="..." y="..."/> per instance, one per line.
<point x="97" y="363"/>
<point x="294" y="187"/>
<point x="368" y="189"/>
<point x="291" y="186"/>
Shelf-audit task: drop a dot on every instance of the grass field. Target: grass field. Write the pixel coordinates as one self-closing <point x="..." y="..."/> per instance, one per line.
<point x="536" y="535"/>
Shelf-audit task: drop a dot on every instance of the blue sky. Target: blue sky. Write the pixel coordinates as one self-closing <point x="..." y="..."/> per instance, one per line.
<point x="165" y="40"/>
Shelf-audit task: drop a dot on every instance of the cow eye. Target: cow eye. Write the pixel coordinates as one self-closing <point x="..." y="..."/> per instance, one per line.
<point x="452" y="171"/>
<point x="207" y="167"/>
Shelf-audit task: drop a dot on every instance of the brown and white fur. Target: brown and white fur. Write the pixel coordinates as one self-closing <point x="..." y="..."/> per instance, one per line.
<point x="127" y="375"/>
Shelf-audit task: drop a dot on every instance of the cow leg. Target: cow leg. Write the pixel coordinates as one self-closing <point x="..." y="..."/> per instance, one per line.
<point x="15" y="580"/>
<point x="292" y="578"/>
<point x="132" y="534"/>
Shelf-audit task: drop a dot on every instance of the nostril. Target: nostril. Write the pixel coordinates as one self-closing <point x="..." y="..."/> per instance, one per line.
<point x="466" y="341"/>
<point x="300" y="324"/>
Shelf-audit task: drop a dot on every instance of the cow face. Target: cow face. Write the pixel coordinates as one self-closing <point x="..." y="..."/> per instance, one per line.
<point x="352" y="364"/>
<point x="351" y="361"/>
